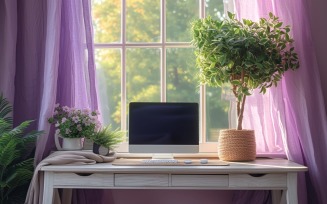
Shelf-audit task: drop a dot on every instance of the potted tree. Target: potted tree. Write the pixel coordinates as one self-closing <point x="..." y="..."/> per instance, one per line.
<point x="248" y="55"/>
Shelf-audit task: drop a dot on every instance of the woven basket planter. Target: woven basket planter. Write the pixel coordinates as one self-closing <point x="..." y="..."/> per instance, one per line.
<point x="236" y="145"/>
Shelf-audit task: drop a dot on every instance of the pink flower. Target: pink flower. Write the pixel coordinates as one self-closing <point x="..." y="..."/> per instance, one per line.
<point x="79" y="127"/>
<point x="70" y="113"/>
<point x="86" y="111"/>
<point x="65" y="108"/>
<point x="86" y="122"/>
<point x="67" y="131"/>
<point x="94" y="119"/>
<point x="57" y="124"/>
<point x="63" y="120"/>
<point x="75" y="119"/>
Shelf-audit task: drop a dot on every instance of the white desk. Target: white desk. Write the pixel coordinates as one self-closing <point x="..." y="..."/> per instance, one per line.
<point x="262" y="174"/>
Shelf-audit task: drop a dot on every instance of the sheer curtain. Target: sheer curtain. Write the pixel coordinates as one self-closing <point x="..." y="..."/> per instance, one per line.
<point x="47" y="57"/>
<point x="293" y="114"/>
<point x="69" y="72"/>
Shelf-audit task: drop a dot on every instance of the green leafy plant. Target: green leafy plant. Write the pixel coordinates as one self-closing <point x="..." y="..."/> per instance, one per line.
<point x="107" y="137"/>
<point x="5" y="109"/>
<point x="16" y="169"/>
<point x="246" y="54"/>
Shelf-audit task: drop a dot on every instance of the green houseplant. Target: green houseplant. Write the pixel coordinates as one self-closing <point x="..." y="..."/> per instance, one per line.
<point x="16" y="160"/>
<point x="106" y="139"/>
<point x="248" y="55"/>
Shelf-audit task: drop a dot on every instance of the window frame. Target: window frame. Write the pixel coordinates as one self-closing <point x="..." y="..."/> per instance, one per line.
<point x="205" y="147"/>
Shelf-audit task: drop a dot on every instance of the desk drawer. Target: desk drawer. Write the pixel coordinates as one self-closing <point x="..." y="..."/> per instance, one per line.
<point x="84" y="179"/>
<point x="199" y="180"/>
<point x="126" y="180"/>
<point x="257" y="180"/>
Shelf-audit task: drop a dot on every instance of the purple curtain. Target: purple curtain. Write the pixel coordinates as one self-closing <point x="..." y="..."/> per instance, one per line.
<point x="296" y="107"/>
<point x="47" y="57"/>
<point x="317" y="12"/>
<point x="71" y="72"/>
<point x="22" y="56"/>
<point x="8" y="40"/>
<point x="67" y="71"/>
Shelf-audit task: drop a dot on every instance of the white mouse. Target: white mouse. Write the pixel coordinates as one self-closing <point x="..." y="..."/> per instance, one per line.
<point x="203" y="161"/>
<point x="188" y="161"/>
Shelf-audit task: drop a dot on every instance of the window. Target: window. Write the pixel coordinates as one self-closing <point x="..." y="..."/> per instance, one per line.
<point x="143" y="53"/>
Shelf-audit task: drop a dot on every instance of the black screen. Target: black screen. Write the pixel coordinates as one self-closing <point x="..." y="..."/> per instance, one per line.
<point x="163" y="123"/>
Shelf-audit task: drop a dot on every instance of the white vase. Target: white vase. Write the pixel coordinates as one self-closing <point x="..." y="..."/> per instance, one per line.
<point x="68" y="143"/>
<point x="72" y="144"/>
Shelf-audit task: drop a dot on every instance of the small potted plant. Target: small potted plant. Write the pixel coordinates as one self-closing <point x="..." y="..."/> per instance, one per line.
<point x="72" y="125"/>
<point x="106" y="139"/>
<point x="248" y="55"/>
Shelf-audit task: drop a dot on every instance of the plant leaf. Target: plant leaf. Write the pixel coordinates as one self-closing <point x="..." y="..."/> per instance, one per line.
<point x="231" y="15"/>
<point x="278" y="25"/>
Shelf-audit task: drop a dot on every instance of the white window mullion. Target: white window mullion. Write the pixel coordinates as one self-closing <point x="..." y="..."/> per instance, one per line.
<point x="202" y="7"/>
<point x="163" y="79"/>
<point x="123" y="67"/>
<point x="203" y="117"/>
<point x="144" y="45"/>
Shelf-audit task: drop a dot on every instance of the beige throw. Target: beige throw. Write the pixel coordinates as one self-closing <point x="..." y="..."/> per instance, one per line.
<point x="35" y="191"/>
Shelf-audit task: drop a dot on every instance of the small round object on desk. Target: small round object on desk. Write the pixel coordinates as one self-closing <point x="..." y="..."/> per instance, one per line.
<point x="203" y="161"/>
<point x="98" y="149"/>
<point x="188" y="161"/>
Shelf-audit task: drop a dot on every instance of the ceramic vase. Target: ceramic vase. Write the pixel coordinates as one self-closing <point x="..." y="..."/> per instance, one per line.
<point x="68" y="143"/>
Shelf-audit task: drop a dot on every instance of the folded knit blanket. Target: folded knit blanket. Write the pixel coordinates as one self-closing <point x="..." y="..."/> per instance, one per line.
<point x="35" y="191"/>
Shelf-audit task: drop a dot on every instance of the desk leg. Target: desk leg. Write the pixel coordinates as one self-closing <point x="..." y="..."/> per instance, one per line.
<point x="48" y="188"/>
<point x="291" y="192"/>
